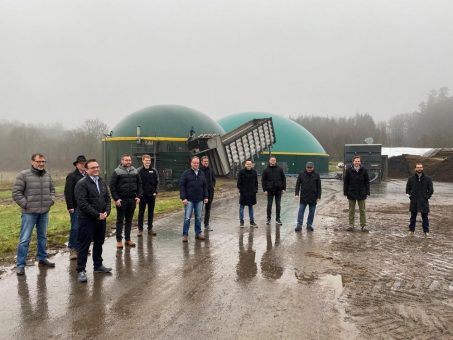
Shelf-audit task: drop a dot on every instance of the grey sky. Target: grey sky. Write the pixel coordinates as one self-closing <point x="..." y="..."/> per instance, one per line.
<point x="67" y="61"/>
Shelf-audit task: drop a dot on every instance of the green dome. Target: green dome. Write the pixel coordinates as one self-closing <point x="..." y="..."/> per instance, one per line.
<point x="166" y="121"/>
<point x="291" y="137"/>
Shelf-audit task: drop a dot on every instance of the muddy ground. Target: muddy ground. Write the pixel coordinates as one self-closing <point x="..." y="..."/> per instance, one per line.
<point x="265" y="283"/>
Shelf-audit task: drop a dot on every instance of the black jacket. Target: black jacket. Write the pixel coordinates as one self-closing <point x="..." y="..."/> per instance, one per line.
<point x="125" y="183"/>
<point x="193" y="187"/>
<point x="248" y="186"/>
<point x="150" y="180"/>
<point x="91" y="202"/>
<point x="308" y="187"/>
<point x="210" y="178"/>
<point x="273" y="179"/>
<point x="69" y="194"/>
<point x="420" y="191"/>
<point x="356" y="184"/>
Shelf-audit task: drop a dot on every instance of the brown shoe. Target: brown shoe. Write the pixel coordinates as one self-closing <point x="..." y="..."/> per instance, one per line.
<point x="140" y="233"/>
<point x="129" y="243"/>
<point x="73" y="254"/>
<point x="119" y="245"/>
<point x="200" y="237"/>
<point x="185" y="238"/>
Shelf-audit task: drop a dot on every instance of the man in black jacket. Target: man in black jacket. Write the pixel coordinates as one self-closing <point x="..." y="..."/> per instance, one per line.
<point x="308" y="188"/>
<point x="150" y="182"/>
<point x="419" y="189"/>
<point x="248" y="187"/>
<point x="193" y="192"/>
<point x="210" y="181"/>
<point x="126" y="190"/>
<point x="356" y="187"/>
<point x="93" y="207"/>
<point x="71" y="204"/>
<point x="273" y="181"/>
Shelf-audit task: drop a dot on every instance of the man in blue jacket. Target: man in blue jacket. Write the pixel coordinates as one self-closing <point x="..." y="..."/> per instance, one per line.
<point x="193" y="192"/>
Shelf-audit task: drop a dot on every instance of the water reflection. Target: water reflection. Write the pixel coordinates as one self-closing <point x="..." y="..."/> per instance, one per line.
<point x="246" y="268"/>
<point x="271" y="266"/>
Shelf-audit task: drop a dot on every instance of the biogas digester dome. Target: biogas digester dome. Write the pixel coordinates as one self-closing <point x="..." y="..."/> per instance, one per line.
<point x="163" y="134"/>
<point x="295" y="146"/>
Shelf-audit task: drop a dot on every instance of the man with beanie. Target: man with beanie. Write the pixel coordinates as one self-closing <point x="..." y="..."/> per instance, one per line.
<point x="308" y="188"/>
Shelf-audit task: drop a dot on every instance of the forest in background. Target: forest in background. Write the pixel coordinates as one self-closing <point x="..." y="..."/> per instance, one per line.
<point x="430" y="126"/>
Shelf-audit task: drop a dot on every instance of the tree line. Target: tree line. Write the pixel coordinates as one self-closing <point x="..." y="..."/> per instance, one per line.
<point x="430" y="126"/>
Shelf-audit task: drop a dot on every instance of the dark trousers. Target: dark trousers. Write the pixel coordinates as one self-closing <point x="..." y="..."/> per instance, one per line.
<point x="124" y="215"/>
<point x="90" y="230"/>
<point x="151" y="202"/>
<point x="270" y="200"/>
<point x="207" y="208"/>
<point x="425" y="221"/>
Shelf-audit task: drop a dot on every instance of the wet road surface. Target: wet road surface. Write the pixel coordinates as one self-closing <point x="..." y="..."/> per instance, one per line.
<point x="267" y="283"/>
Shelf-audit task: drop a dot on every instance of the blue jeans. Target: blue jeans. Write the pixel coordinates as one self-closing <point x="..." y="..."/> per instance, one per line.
<point x="241" y="213"/>
<point x="311" y="213"/>
<point x="72" y="244"/>
<point x="26" y="228"/>
<point x="196" y="207"/>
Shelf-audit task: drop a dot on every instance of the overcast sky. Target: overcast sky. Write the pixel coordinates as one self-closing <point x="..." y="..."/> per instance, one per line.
<point x="67" y="61"/>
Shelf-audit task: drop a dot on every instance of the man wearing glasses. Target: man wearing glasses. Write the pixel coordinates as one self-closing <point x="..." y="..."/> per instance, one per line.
<point x="93" y="207"/>
<point x="34" y="192"/>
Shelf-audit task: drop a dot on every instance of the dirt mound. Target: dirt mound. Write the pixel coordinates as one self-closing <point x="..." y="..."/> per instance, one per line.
<point x="438" y="168"/>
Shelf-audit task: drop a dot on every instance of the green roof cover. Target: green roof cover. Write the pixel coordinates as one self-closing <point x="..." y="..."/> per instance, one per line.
<point x="171" y="121"/>
<point x="290" y="136"/>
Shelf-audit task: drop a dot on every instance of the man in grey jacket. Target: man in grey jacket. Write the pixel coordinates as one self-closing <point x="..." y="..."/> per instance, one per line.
<point x="34" y="192"/>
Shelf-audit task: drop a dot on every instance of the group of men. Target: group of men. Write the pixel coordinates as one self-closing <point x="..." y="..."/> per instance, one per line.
<point x="89" y="203"/>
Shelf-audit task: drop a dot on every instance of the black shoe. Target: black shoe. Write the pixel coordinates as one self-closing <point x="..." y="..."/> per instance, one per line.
<point x="278" y="221"/>
<point x="20" y="271"/>
<point x="208" y="228"/>
<point x="82" y="276"/>
<point x="102" y="269"/>
<point x="310" y="228"/>
<point x="364" y="229"/>
<point x="268" y="222"/>
<point x="151" y="232"/>
<point x="241" y="224"/>
<point x="46" y="262"/>
<point x="253" y="224"/>
<point x="298" y="228"/>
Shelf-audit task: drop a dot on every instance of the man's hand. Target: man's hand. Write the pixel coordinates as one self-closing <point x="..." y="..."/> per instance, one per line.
<point x="205" y="200"/>
<point x="185" y="202"/>
<point x="118" y="202"/>
<point x="283" y="191"/>
<point x="155" y="194"/>
<point x="71" y="211"/>
<point x="102" y="216"/>
<point x="137" y="200"/>
<point x="296" y="197"/>
<point x="265" y="193"/>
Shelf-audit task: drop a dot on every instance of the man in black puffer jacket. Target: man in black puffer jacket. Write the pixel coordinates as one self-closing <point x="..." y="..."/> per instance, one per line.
<point x="126" y="190"/>
<point x="308" y="188"/>
<point x="273" y="181"/>
<point x="356" y="187"/>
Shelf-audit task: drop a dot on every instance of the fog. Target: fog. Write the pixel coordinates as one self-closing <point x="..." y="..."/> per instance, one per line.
<point x="69" y="61"/>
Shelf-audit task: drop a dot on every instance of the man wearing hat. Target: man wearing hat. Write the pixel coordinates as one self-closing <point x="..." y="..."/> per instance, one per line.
<point x="71" y="204"/>
<point x="308" y="188"/>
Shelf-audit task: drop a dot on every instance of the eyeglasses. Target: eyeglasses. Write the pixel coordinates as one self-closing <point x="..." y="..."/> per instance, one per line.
<point x="39" y="161"/>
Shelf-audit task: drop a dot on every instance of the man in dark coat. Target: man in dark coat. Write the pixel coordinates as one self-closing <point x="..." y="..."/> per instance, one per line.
<point x="150" y="183"/>
<point x="71" y="204"/>
<point x="193" y="192"/>
<point x="93" y="207"/>
<point x="419" y="188"/>
<point x="210" y="181"/>
<point x="126" y="190"/>
<point x="356" y="187"/>
<point x="274" y="185"/>
<point x="248" y="187"/>
<point x="308" y="188"/>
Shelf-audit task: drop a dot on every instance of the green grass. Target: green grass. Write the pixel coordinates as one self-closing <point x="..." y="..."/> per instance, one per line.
<point x="59" y="225"/>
